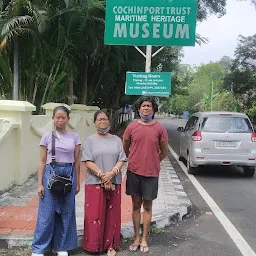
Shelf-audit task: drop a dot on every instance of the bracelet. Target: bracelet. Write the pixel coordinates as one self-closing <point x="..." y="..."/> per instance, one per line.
<point x="98" y="174"/>
<point x="116" y="170"/>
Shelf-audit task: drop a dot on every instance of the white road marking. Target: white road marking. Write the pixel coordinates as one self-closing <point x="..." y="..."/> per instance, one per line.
<point x="240" y="242"/>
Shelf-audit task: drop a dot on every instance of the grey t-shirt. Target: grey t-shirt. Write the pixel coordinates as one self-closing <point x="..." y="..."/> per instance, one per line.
<point x="105" y="151"/>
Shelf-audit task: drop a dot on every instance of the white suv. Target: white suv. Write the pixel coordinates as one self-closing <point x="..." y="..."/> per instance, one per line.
<point x="218" y="138"/>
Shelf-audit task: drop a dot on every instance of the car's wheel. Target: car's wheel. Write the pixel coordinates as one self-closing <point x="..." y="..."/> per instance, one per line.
<point x="249" y="171"/>
<point x="190" y="169"/>
<point x="180" y="156"/>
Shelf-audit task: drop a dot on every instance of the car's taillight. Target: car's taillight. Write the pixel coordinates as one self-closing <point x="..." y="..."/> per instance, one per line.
<point x="197" y="136"/>
<point x="253" y="137"/>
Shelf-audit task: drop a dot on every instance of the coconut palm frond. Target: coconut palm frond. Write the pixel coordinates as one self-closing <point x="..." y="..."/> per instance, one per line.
<point x="201" y="40"/>
<point x="16" y="23"/>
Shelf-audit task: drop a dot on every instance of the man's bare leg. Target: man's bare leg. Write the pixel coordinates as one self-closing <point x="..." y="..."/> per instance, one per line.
<point x="147" y="216"/>
<point x="136" y="215"/>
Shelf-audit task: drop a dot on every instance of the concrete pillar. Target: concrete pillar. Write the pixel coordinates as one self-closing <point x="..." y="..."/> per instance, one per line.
<point x="86" y="113"/>
<point x="20" y="112"/>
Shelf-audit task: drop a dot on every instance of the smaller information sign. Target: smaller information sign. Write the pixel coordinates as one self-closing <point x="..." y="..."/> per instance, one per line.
<point x="151" y="83"/>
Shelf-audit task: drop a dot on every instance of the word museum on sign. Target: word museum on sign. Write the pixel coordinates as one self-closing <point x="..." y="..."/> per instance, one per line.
<point x="154" y="30"/>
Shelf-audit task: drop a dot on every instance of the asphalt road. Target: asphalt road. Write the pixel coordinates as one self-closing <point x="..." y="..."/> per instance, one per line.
<point x="233" y="193"/>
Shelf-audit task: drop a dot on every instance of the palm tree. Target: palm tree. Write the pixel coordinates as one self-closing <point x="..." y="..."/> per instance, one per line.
<point x="91" y="52"/>
<point x="16" y="22"/>
<point x="5" y="76"/>
<point x="74" y="47"/>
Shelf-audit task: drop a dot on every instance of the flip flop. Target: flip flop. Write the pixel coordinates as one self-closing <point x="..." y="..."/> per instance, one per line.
<point x="134" y="247"/>
<point x="111" y="252"/>
<point x="144" y="248"/>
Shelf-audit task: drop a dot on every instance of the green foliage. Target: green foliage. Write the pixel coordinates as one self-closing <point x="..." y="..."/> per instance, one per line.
<point x="5" y="77"/>
<point x="155" y="229"/>
<point x="63" y="56"/>
<point x="206" y="7"/>
<point x="242" y="78"/>
<point x="226" y="101"/>
<point x="206" y="83"/>
<point x="226" y="63"/>
<point x="252" y="111"/>
<point x="252" y="114"/>
<point x="225" y="85"/>
<point x="179" y="103"/>
<point x="200" y="89"/>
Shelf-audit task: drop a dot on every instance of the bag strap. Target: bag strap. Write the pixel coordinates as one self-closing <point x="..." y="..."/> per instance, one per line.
<point x="53" y="163"/>
<point x="53" y="149"/>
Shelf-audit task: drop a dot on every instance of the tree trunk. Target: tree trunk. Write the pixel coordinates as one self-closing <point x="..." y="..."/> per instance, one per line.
<point x="30" y="88"/>
<point x="49" y="81"/>
<point x="101" y="74"/>
<point x="70" y="90"/>
<point x="35" y="91"/>
<point x="2" y="96"/>
<point x="117" y="98"/>
<point x="84" y="73"/>
<point x="16" y="70"/>
<point x="52" y="77"/>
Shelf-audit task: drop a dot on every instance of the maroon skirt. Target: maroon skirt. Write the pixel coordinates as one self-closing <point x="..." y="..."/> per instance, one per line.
<point x="102" y="218"/>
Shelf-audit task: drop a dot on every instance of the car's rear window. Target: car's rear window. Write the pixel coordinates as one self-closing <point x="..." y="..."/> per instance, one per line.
<point x="221" y="124"/>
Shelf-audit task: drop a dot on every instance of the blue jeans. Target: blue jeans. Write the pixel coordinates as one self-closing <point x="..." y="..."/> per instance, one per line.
<point x="56" y="221"/>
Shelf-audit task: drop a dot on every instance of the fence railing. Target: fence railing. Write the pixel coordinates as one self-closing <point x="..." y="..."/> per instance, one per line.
<point x="119" y="118"/>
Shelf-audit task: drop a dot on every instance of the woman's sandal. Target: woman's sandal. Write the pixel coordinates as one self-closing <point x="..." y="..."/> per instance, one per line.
<point x="144" y="248"/>
<point x="111" y="252"/>
<point x="134" y="247"/>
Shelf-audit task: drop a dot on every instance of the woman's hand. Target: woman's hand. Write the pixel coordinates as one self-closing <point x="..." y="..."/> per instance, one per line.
<point x="40" y="191"/>
<point x="108" y="186"/>
<point x="107" y="177"/>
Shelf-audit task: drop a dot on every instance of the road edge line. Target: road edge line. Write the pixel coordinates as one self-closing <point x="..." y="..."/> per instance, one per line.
<point x="234" y="234"/>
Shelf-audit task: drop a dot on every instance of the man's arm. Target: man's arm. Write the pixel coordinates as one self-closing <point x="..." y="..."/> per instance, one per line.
<point x="126" y="146"/>
<point x="163" y="149"/>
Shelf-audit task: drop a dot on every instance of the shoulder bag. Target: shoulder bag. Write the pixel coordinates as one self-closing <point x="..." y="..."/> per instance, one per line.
<point x="59" y="186"/>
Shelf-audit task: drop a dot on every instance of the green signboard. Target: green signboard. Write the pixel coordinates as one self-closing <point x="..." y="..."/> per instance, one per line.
<point x="150" y="83"/>
<point x="151" y="22"/>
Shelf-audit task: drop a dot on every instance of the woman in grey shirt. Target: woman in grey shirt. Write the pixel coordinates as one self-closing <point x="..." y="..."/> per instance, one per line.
<point x="104" y="157"/>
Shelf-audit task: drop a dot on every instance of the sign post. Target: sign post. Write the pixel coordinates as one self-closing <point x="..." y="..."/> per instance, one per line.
<point x="148" y="58"/>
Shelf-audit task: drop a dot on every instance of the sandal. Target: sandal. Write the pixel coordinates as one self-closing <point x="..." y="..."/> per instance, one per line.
<point x="144" y="248"/>
<point x="134" y="247"/>
<point x="111" y="252"/>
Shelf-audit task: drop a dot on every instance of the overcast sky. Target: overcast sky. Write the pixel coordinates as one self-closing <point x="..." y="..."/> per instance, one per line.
<point x="222" y="33"/>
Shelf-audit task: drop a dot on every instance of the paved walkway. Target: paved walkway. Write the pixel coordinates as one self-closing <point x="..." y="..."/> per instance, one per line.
<point x="18" y="207"/>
